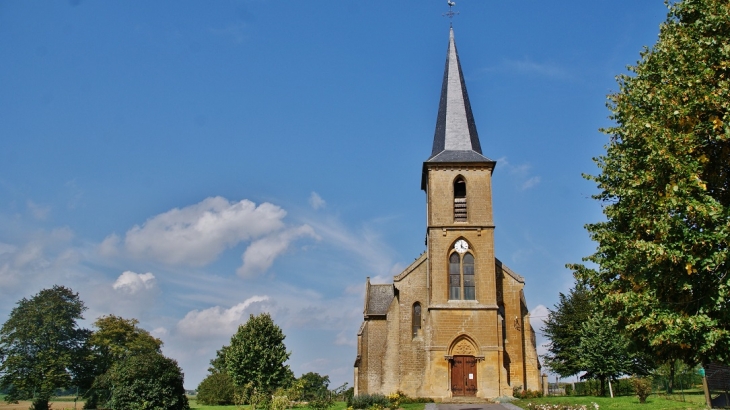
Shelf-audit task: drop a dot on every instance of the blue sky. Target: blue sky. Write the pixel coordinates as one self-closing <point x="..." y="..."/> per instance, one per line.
<point x="189" y="163"/>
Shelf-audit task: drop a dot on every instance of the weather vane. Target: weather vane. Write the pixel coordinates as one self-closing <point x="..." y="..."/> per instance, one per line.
<point x="451" y="13"/>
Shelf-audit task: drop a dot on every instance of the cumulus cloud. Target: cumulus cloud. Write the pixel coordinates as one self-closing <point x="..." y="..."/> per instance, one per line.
<point x="132" y="283"/>
<point x="260" y="255"/>
<point x="218" y="321"/>
<point x="109" y="246"/>
<point x="197" y="234"/>
<point x="316" y="201"/>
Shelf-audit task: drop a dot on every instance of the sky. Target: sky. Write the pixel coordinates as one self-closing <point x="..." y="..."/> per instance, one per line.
<point x="191" y="163"/>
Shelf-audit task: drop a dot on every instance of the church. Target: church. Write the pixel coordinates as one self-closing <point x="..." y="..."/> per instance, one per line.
<point x="455" y="322"/>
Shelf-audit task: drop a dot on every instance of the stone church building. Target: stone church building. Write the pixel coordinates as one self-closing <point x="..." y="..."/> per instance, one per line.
<point x="455" y="322"/>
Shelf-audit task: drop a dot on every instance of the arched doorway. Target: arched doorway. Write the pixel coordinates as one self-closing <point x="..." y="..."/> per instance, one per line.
<point x="463" y="369"/>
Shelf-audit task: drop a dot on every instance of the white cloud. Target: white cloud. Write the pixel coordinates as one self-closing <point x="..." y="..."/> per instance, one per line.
<point x="373" y="253"/>
<point x="217" y="321"/>
<point x="316" y="201"/>
<point x="109" y="246"/>
<point x="159" y="332"/>
<point x="132" y="283"/>
<point x="521" y="174"/>
<point x="39" y="212"/>
<point x="530" y="183"/>
<point x="260" y="255"/>
<point x="197" y="234"/>
<point x="342" y="338"/>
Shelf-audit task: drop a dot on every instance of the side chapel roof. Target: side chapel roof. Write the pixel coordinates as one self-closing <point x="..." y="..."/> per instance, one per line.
<point x="378" y="298"/>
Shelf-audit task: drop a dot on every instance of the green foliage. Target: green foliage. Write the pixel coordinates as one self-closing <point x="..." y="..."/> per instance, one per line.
<point x="257" y="354"/>
<point x="218" y="364"/>
<point x="642" y="387"/>
<point x="279" y="402"/>
<point x="148" y="381"/>
<point x="536" y="406"/>
<point x="114" y="340"/>
<point x="322" y="402"/>
<point x="663" y="252"/>
<point x="313" y="386"/>
<point x="568" y="389"/>
<point x="41" y="346"/>
<point x="603" y="350"/>
<point x="216" y="389"/>
<point x="563" y="328"/>
<point x="521" y="393"/>
<point x="366" y="401"/>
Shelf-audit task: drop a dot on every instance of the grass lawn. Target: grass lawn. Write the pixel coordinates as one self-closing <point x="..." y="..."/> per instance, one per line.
<point x="339" y="405"/>
<point x="654" y="402"/>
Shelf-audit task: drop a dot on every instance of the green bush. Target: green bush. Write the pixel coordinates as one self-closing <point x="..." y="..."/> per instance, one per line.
<point x="642" y="386"/>
<point x="215" y="390"/>
<point x="366" y="401"/>
<point x="147" y="381"/>
<point x="568" y="389"/>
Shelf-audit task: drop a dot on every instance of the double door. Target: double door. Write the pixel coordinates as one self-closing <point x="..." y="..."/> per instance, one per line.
<point x="464" y="376"/>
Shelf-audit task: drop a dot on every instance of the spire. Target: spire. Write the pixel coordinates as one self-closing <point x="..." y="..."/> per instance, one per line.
<point x="455" y="139"/>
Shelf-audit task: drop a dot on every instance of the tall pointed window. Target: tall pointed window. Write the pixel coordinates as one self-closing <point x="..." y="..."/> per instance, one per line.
<point x="462" y="285"/>
<point x="459" y="200"/>
<point x="416" y="319"/>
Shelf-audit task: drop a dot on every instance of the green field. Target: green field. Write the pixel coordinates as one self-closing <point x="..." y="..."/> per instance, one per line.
<point x="654" y="402"/>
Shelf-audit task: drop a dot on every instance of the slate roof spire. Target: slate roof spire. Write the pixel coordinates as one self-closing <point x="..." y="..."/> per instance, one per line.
<point x="456" y="138"/>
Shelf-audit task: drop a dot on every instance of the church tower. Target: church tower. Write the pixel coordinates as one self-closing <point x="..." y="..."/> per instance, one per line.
<point x="455" y="322"/>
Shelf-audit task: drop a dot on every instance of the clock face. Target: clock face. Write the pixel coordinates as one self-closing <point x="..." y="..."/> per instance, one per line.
<point x="461" y="246"/>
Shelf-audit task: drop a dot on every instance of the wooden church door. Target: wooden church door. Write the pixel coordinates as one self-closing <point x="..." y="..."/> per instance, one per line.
<point x="464" y="376"/>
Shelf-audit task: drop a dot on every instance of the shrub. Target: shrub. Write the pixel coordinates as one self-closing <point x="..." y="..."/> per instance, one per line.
<point x="147" y="381"/>
<point x="216" y="390"/>
<point x="279" y="402"/>
<point x="323" y="402"/>
<point x="525" y="394"/>
<point x="568" y="389"/>
<point x="366" y="401"/>
<point x="642" y="386"/>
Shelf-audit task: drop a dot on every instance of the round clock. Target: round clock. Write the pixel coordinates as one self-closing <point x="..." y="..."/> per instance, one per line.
<point x="461" y="246"/>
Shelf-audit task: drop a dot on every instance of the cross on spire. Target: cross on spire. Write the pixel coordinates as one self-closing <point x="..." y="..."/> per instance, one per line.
<point x="451" y="13"/>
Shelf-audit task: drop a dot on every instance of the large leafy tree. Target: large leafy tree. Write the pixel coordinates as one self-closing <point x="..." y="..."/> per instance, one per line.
<point x="41" y="346"/>
<point x="314" y="385"/>
<point x="256" y="357"/>
<point x="604" y="353"/>
<point x="563" y="328"/>
<point x="664" y="182"/>
<point x="146" y="381"/>
<point x="114" y="340"/>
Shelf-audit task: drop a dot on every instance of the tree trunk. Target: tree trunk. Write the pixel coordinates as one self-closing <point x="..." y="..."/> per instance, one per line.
<point x="603" y="385"/>
<point x="670" y="388"/>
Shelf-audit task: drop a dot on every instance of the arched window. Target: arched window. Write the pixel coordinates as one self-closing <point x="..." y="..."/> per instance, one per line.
<point x="459" y="199"/>
<point x="416" y="319"/>
<point x="462" y="285"/>
<point x="454" y="276"/>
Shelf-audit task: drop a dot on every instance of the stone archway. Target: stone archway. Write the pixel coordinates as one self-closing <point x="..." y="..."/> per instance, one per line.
<point x="463" y="368"/>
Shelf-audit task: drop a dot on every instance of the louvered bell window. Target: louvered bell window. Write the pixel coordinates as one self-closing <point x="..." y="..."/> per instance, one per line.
<point x="459" y="200"/>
